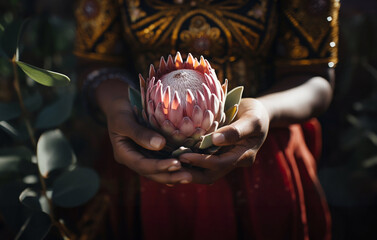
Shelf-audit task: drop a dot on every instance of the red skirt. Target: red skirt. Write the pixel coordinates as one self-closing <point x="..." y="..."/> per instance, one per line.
<point x="279" y="197"/>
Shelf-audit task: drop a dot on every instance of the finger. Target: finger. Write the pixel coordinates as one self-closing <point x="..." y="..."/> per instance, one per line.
<point x="235" y="157"/>
<point x="126" y="153"/>
<point x="231" y="134"/>
<point x="179" y="177"/>
<point x="128" y="126"/>
<point x="200" y="160"/>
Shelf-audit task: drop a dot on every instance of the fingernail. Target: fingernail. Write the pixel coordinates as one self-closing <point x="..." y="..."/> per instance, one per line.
<point x="218" y="137"/>
<point x="184" y="160"/>
<point x="184" y="181"/>
<point x="173" y="168"/>
<point x="156" y="142"/>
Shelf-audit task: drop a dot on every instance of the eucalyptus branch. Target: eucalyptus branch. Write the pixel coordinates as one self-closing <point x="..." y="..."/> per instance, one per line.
<point x="66" y="234"/>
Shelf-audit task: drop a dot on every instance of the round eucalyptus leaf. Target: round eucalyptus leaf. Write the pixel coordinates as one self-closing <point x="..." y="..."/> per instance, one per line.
<point x="44" y="77"/>
<point x="56" y="113"/>
<point x="36" y="227"/>
<point x="54" y="152"/>
<point x="30" y="198"/>
<point x="76" y="187"/>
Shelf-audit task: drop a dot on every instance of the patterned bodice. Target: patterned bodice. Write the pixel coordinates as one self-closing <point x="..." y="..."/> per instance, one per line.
<point x="244" y="40"/>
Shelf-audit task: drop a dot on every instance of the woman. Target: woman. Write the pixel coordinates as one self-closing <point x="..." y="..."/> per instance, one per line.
<point x="263" y="183"/>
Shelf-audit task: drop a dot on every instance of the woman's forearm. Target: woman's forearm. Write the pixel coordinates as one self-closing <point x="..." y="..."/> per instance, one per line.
<point x="306" y="98"/>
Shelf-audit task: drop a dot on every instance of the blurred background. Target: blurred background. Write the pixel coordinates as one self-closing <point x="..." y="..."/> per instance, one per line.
<point x="348" y="169"/>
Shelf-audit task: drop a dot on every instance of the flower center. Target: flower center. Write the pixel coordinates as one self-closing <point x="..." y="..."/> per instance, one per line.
<point x="181" y="80"/>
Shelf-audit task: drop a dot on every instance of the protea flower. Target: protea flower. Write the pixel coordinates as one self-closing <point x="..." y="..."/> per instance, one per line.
<point x="185" y="101"/>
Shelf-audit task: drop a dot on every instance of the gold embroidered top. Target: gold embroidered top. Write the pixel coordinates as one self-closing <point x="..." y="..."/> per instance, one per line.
<point x="244" y="40"/>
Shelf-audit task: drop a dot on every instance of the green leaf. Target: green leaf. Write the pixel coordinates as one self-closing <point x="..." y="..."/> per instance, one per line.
<point x="233" y="97"/>
<point x="54" y="152"/>
<point x="135" y="98"/>
<point x="30" y="199"/>
<point x="176" y="153"/>
<point x="206" y="142"/>
<point x="36" y="227"/>
<point x="44" y="77"/>
<point x="231" y="114"/>
<point x="76" y="187"/>
<point x="12" y="110"/>
<point x="15" y="161"/>
<point x="56" y="113"/>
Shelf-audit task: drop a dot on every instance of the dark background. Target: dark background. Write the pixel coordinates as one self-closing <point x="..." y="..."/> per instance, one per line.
<point x="348" y="169"/>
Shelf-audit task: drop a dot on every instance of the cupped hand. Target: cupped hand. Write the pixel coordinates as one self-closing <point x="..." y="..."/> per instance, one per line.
<point x="240" y="143"/>
<point x="130" y="139"/>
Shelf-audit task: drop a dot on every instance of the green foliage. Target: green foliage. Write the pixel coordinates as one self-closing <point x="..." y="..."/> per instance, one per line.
<point x="54" y="152"/>
<point x="44" y="77"/>
<point x="75" y="187"/>
<point x="34" y="182"/>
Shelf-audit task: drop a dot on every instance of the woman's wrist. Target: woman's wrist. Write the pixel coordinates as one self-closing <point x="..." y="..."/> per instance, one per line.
<point x="112" y="95"/>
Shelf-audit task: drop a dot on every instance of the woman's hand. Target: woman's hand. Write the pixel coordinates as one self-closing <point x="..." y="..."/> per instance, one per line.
<point x="240" y="143"/>
<point x="128" y="137"/>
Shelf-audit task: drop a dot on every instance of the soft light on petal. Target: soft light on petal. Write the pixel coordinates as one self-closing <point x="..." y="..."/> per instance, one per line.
<point x="197" y="116"/>
<point x="170" y="63"/>
<point x="178" y="61"/>
<point x="159" y="113"/>
<point x="168" y="127"/>
<point x="175" y="112"/>
<point x="186" y="127"/>
<point x="201" y="101"/>
<point x="152" y="71"/>
<point x="207" y="120"/>
<point x="166" y="100"/>
<point x="189" y="64"/>
<point x="215" y="104"/>
<point x="190" y="101"/>
<point x="163" y="67"/>
<point x="150" y="107"/>
<point x="207" y="94"/>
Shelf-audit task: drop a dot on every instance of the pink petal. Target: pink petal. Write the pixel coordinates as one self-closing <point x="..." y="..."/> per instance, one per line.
<point x="217" y="85"/>
<point x="197" y="116"/>
<point x="150" y="107"/>
<point x="210" y="83"/>
<point x="178" y="137"/>
<point x="201" y="101"/>
<point x="208" y="67"/>
<point x="215" y="104"/>
<point x="207" y="94"/>
<point x="168" y="127"/>
<point x="186" y="127"/>
<point x="170" y="63"/>
<point x="178" y="61"/>
<point x="189" y="62"/>
<point x="158" y="93"/>
<point x="163" y="66"/>
<point x="166" y="99"/>
<point x="190" y="101"/>
<point x="196" y="63"/>
<point x="202" y="65"/>
<point x="213" y="127"/>
<point x="159" y="113"/>
<point x="207" y="120"/>
<point x="141" y="81"/>
<point x="225" y="90"/>
<point x="152" y="71"/>
<point x="175" y="112"/>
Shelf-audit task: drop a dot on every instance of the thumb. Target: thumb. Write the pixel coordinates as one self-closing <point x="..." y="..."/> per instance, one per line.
<point x="230" y="134"/>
